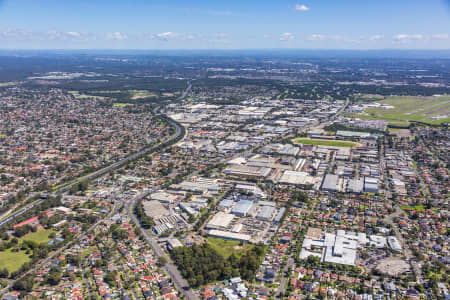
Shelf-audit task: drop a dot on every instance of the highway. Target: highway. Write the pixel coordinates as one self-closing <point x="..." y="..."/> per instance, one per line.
<point x="20" y="212"/>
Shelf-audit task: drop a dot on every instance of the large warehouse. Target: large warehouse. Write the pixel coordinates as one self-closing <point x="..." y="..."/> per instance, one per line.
<point x="230" y="235"/>
<point x="297" y="178"/>
<point x="242" y="208"/>
<point x="266" y="213"/>
<point x="330" y="183"/>
<point x="220" y="221"/>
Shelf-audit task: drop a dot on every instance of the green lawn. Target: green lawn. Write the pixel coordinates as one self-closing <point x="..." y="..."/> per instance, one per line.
<point x="13" y="260"/>
<point x="226" y="247"/>
<point x="406" y="109"/>
<point x="141" y="94"/>
<point x="40" y="236"/>
<point x="2" y="135"/>
<point x="117" y="104"/>
<point x="335" y="143"/>
<point x="369" y="97"/>
<point x="419" y="207"/>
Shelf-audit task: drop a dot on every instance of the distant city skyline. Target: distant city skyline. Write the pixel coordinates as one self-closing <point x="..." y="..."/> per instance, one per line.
<point x="201" y="24"/>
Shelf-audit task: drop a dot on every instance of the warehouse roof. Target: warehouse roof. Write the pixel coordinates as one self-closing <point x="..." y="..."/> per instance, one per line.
<point x="330" y="182"/>
<point x="294" y="177"/>
<point x="220" y="220"/>
<point x="242" y="207"/>
<point x="266" y="212"/>
<point x="230" y="235"/>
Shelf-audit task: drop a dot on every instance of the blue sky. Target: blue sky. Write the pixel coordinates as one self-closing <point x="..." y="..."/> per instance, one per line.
<point x="225" y="24"/>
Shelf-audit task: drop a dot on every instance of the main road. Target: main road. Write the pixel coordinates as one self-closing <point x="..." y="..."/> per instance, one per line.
<point x="171" y="269"/>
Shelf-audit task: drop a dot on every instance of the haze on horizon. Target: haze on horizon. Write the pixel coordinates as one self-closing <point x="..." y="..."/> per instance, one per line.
<point x="201" y="24"/>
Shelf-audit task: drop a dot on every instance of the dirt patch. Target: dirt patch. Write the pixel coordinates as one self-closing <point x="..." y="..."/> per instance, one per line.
<point x="393" y="266"/>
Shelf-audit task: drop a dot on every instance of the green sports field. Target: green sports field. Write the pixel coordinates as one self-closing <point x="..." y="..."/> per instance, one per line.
<point x="431" y="110"/>
<point x="40" y="236"/>
<point x="226" y="247"/>
<point x="316" y="142"/>
<point x="13" y="260"/>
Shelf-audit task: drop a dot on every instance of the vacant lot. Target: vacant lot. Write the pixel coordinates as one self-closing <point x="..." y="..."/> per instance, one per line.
<point x="225" y="247"/>
<point x="432" y="110"/>
<point x="13" y="260"/>
<point x="334" y="143"/>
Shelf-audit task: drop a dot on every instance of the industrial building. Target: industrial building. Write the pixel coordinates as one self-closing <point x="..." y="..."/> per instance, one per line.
<point x="394" y="243"/>
<point x="242" y="208"/>
<point x="163" y="197"/>
<point x="355" y="186"/>
<point x="279" y="215"/>
<point x="220" y="220"/>
<point x="225" y="204"/>
<point x="249" y="172"/>
<point x="340" y="248"/>
<point x="297" y="178"/>
<point x="265" y="213"/>
<point x="229" y="235"/>
<point x="371" y="185"/>
<point x="330" y="183"/>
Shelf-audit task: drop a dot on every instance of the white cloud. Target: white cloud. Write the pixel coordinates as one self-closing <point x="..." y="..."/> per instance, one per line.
<point x="165" y="36"/>
<point x="73" y="34"/>
<point x="376" y="37"/>
<point x="116" y="36"/>
<point x="440" y="36"/>
<point x="317" y="37"/>
<point x="15" y="34"/>
<point x="287" y="36"/>
<point x="301" y="7"/>
<point x="403" y="38"/>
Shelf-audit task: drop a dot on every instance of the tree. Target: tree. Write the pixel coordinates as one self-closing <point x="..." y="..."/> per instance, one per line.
<point x="54" y="276"/>
<point x="4" y="273"/>
<point x="24" y="284"/>
<point x="162" y="261"/>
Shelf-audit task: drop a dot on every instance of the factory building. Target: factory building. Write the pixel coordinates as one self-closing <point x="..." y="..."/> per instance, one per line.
<point x="265" y="213"/>
<point x="242" y="208"/>
<point x="221" y="220"/>
<point x="330" y="183"/>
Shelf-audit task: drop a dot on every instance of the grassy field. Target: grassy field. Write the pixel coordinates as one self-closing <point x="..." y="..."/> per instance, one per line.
<point x="117" y="104"/>
<point x="432" y="110"/>
<point x="369" y="97"/>
<point x="419" y="207"/>
<point x="77" y="95"/>
<point x="13" y="260"/>
<point x="333" y="143"/>
<point x="2" y="135"/>
<point x="141" y="94"/>
<point x="40" y="236"/>
<point x="226" y="247"/>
